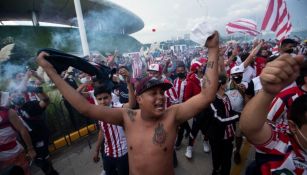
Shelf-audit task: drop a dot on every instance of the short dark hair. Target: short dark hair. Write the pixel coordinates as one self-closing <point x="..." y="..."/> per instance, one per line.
<point x="298" y="111"/>
<point x="222" y="79"/>
<point x="229" y="53"/>
<point x="99" y="89"/>
<point x="287" y="41"/>
<point x="123" y="67"/>
<point x="180" y="64"/>
<point x="244" y="56"/>
<point x="301" y="78"/>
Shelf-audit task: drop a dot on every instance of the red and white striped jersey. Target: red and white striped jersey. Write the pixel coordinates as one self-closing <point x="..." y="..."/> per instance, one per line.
<point x="115" y="143"/>
<point x="9" y="147"/>
<point x="137" y="66"/>
<point x="31" y="96"/>
<point x="179" y="86"/>
<point x="283" y="144"/>
<point x="279" y="107"/>
<point x="171" y="95"/>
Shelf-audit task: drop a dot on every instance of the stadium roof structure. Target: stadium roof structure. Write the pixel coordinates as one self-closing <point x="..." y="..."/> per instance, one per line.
<point x="96" y="13"/>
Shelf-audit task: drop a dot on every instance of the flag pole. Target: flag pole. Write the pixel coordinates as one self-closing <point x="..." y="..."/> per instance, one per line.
<point x="84" y="43"/>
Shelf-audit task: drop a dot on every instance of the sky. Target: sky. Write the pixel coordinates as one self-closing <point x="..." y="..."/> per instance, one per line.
<point x="173" y="18"/>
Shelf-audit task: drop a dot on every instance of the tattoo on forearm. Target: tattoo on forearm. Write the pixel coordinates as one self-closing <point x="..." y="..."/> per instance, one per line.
<point x="131" y="114"/>
<point x="206" y="81"/>
<point x="159" y="136"/>
<point x="210" y="64"/>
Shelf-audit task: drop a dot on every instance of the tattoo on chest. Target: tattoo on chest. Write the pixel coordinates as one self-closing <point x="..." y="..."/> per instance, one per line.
<point x="206" y="81"/>
<point x="131" y="114"/>
<point x="159" y="136"/>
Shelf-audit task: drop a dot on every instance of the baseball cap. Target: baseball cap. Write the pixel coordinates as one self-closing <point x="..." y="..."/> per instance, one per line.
<point x="203" y="60"/>
<point x="237" y="69"/>
<point x="155" y="67"/>
<point x="150" y="82"/>
<point x="194" y="66"/>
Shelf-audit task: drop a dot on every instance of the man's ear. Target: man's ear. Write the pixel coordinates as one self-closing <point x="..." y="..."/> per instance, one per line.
<point x="292" y="126"/>
<point x="139" y="99"/>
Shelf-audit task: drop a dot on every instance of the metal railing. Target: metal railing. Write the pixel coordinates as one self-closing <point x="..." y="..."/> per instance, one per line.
<point x="60" y="124"/>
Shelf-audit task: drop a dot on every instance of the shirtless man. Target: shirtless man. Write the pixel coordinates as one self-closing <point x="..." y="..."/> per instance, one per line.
<point x="151" y="130"/>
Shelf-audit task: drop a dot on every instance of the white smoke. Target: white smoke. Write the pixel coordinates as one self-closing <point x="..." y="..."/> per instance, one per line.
<point x="4" y="100"/>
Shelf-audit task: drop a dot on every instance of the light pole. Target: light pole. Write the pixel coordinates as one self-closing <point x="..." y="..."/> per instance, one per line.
<point x="85" y="48"/>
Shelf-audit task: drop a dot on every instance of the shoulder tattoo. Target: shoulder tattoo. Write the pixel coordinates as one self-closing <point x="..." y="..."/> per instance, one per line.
<point x="159" y="136"/>
<point x="131" y="114"/>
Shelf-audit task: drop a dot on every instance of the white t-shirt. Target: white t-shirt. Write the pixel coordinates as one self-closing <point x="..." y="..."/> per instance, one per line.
<point x="257" y="84"/>
<point x="236" y="100"/>
<point x="248" y="74"/>
<point x="115" y="98"/>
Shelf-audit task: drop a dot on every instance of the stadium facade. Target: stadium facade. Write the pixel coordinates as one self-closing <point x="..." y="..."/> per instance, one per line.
<point x="108" y="26"/>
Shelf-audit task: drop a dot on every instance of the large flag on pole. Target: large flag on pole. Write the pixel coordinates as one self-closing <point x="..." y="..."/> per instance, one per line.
<point x="243" y="25"/>
<point x="277" y="19"/>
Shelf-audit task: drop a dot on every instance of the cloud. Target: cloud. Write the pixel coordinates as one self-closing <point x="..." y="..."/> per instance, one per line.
<point x="194" y="21"/>
<point x="175" y="18"/>
<point x="176" y="6"/>
<point x="245" y="8"/>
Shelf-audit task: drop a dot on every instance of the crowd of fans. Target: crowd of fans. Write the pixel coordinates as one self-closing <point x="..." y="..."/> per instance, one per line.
<point x="234" y="90"/>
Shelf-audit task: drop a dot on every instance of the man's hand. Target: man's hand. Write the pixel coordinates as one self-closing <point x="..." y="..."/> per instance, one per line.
<point x="28" y="74"/>
<point x="222" y="51"/>
<point x="96" y="157"/>
<point x="31" y="154"/>
<point x="34" y="73"/>
<point x="43" y="62"/>
<point x="280" y="73"/>
<point x="168" y="60"/>
<point x="213" y="41"/>
<point x="242" y="87"/>
<point x="256" y="42"/>
<point x="125" y="74"/>
<point x="256" y="49"/>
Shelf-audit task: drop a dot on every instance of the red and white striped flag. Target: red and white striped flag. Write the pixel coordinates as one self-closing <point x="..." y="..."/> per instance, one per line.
<point x="275" y="49"/>
<point x="243" y="25"/>
<point x="277" y="19"/>
<point x="137" y="65"/>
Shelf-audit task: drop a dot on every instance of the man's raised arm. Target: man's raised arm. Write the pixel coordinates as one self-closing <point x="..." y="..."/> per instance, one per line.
<point x="199" y="102"/>
<point x="274" y="77"/>
<point x="110" y="115"/>
<point x="131" y="96"/>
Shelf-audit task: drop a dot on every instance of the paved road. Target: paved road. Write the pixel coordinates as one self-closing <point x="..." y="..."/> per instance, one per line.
<point x="77" y="160"/>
